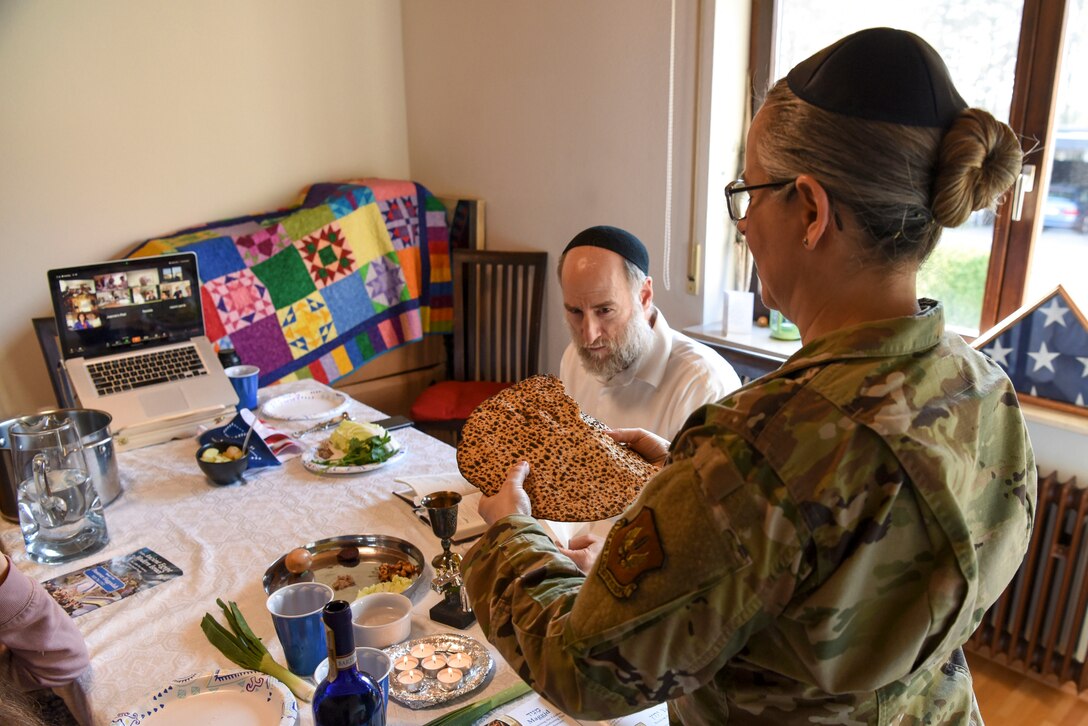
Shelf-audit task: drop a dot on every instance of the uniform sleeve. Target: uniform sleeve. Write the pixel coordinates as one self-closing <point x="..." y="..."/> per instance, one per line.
<point x="42" y="647"/>
<point x="677" y="591"/>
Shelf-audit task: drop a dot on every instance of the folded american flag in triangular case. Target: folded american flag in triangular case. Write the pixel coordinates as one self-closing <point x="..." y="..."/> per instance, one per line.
<point x="1043" y="347"/>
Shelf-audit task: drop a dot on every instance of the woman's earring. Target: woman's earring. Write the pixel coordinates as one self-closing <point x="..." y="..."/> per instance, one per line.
<point x="805" y="243"/>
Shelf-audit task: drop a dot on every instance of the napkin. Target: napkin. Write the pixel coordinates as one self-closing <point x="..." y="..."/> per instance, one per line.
<point x="281" y="443"/>
<point x="267" y="447"/>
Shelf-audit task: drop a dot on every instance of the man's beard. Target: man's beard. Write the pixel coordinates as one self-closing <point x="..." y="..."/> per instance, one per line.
<point x="636" y="338"/>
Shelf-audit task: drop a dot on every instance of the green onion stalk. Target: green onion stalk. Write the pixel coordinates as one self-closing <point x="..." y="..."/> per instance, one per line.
<point x="241" y="646"/>
<point x="473" y="711"/>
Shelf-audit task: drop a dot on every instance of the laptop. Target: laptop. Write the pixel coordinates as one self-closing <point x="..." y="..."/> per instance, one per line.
<point x="131" y="333"/>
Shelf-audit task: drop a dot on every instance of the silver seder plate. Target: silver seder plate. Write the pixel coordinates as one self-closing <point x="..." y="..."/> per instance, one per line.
<point x="431" y="693"/>
<point x="374" y="550"/>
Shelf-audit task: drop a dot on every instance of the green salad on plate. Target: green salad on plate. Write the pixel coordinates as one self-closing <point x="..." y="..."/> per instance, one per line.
<point x="357" y="444"/>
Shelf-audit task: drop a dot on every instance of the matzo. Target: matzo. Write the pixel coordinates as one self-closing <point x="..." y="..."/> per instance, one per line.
<point x="577" y="473"/>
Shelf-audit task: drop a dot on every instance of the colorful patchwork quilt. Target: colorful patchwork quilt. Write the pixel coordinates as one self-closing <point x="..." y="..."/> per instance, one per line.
<point x="316" y="290"/>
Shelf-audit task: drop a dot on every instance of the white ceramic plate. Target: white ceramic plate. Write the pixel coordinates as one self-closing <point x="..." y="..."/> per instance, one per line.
<point x="223" y="698"/>
<point x="305" y="405"/>
<point x="310" y="462"/>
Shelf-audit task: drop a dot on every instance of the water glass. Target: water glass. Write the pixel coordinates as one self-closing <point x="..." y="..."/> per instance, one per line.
<point x="60" y="511"/>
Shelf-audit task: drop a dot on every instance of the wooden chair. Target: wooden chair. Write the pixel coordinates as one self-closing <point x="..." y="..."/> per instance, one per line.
<point x="498" y="302"/>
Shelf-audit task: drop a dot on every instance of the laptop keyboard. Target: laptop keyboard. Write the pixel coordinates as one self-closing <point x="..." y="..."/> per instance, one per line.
<point x="124" y="374"/>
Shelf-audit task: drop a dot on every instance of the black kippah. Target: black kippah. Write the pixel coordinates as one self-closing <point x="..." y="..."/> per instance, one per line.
<point x="880" y="74"/>
<point x="622" y="242"/>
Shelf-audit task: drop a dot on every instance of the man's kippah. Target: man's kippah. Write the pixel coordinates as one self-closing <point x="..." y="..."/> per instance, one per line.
<point x="880" y="74"/>
<point x="622" y="242"/>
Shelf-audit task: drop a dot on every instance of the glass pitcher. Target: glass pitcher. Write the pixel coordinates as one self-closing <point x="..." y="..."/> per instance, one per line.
<point x="60" y="512"/>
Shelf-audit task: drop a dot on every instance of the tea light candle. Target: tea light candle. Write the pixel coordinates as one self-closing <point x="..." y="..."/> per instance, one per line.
<point x="449" y="678"/>
<point x="422" y="650"/>
<point x="433" y="664"/>
<point x="405" y="663"/>
<point x="460" y="660"/>
<point x="411" y="680"/>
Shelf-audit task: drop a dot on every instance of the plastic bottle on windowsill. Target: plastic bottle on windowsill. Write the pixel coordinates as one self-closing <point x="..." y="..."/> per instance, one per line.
<point x="783" y="329"/>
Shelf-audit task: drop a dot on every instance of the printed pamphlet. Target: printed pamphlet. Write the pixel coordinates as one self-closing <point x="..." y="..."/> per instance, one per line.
<point x="107" y="582"/>
<point x="536" y="711"/>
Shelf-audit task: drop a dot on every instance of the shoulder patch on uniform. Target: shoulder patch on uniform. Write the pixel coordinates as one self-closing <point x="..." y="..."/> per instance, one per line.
<point x="632" y="549"/>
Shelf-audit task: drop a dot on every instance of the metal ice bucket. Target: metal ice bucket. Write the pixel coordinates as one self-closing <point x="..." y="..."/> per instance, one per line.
<point x="94" y="433"/>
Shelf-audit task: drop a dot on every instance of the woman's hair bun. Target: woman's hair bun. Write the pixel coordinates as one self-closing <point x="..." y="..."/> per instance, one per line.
<point x="979" y="160"/>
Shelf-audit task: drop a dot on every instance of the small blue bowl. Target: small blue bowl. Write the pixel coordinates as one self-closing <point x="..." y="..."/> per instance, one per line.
<point x="228" y="472"/>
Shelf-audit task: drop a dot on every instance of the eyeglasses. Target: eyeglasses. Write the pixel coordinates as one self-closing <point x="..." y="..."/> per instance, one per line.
<point x="738" y="198"/>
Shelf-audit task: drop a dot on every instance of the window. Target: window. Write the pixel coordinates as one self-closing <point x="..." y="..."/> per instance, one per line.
<point x="1014" y="58"/>
<point x="1060" y="251"/>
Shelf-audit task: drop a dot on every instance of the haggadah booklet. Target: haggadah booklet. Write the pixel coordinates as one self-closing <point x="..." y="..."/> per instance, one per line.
<point x="536" y="711"/>
<point x="106" y="582"/>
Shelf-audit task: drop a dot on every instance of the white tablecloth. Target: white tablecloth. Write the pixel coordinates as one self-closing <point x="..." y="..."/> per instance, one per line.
<point x="223" y="539"/>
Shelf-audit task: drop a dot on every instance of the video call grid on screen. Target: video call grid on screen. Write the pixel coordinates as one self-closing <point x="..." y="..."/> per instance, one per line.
<point x="125" y="304"/>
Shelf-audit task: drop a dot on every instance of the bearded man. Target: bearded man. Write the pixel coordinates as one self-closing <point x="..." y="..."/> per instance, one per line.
<point x="624" y="365"/>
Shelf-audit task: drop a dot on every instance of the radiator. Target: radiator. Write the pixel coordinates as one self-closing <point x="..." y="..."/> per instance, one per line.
<point x="1037" y="626"/>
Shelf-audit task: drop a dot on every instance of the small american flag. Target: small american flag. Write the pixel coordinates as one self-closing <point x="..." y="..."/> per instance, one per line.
<point x="1044" y="349"/>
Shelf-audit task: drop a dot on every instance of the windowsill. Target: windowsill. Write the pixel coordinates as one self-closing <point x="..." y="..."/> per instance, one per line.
<point x="1057" y="436"/>
<point x="1073" y="422"/>
<point x="758" y="341"/>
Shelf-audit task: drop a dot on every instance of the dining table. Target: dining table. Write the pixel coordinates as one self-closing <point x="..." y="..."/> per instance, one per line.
<point x="223" y="539"/>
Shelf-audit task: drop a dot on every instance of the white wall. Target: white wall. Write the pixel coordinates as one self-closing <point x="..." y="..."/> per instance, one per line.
<point x="1060" y="441"/>
<point x="556" y="114"/>
<point x="123" y="120"/>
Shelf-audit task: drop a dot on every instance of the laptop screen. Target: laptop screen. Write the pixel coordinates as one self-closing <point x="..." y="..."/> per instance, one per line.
<point x="123" y="305"/>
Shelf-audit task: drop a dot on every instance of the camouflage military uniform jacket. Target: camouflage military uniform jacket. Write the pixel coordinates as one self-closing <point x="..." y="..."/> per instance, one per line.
<point x="817" y="548"/>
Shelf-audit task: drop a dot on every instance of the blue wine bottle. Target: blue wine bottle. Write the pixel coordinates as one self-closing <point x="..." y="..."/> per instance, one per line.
<point x="347" y="696"/>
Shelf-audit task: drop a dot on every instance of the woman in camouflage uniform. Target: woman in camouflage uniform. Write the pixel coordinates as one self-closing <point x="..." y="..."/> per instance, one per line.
<point x="820" y="543"/>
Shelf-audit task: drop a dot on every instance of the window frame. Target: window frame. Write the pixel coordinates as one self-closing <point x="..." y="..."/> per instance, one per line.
<point x="1031" y="115"/>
